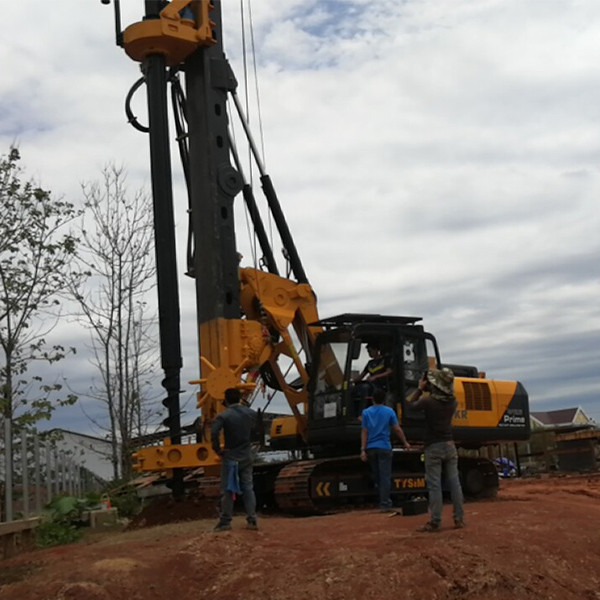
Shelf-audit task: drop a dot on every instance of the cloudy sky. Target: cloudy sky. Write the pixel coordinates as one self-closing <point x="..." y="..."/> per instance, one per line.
<point x="436" y="158"/>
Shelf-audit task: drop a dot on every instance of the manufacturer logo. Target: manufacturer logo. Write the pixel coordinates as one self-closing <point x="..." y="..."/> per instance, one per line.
<point x="515" y="417"/>
<point x="409" y="483"/>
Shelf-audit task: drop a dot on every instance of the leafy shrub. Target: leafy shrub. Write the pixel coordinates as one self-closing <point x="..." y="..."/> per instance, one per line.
<point x="124" y="497"/>
<point x="54" y="533"/>
<point x="62" y="519"/>
<point x="127" y="503"/>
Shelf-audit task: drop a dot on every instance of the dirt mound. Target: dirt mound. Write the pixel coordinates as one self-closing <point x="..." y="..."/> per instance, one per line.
<point x="539" y="540"/>
<point x="163" y="510"/>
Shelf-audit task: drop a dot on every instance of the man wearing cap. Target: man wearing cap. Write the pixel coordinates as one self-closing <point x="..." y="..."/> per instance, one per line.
<point x="435" y="397"/>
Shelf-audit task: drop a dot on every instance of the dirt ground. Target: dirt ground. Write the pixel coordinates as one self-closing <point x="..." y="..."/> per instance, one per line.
<point x="539" y="539"/>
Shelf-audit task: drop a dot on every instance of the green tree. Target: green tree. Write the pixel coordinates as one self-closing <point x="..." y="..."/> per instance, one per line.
<point x="36" y="250"/>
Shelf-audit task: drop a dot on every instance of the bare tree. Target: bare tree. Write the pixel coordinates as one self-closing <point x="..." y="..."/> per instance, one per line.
<point x="36" y="251"/>
<point x="117" y="249"/>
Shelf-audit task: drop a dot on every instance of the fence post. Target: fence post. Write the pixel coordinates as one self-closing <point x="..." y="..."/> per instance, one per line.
<point x="70" y="471"/>
<point x="78" y="481"/>
<point x="48" y="473"/>
<point x="56" y="472"/>
<point x="24" y="474"/>
<point x="38" y="479"/>
<point x="63" y="471"/>
<point x="8" y="470"/>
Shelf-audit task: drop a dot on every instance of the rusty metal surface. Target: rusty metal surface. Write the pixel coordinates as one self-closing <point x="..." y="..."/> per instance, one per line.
<point x="292" y="487"/>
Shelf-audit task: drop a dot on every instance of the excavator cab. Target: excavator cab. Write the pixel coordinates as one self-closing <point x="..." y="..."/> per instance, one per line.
<point x="372" y="351"/>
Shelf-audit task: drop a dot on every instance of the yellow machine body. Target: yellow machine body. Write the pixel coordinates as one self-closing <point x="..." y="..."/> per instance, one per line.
<point x="170" y="35"/>
<point x="233" y="350"/>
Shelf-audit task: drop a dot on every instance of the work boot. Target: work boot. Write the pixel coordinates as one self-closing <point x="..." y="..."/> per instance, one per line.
<point x="459" y="524"/>
<point x="252" y="525"/>
<point x="222" y="527"/>
<point x="429" y="527"/>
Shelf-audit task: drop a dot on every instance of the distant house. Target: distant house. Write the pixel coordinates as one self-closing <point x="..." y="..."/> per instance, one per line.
<point x="564" y="440"/>
<point x="92" y="453"/>
<point x="563" y="419"/>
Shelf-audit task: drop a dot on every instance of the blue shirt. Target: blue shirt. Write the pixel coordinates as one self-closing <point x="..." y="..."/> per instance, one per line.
<point x="377" y="420"/>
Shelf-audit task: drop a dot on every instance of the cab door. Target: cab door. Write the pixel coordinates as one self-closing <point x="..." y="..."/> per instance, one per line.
<point x="416" y="353"/>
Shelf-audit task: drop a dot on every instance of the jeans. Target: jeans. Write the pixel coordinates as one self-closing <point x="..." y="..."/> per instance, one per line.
<point x="246" y="484"/>
<point x="380" y="462"/>
<point x="437" y="456"/>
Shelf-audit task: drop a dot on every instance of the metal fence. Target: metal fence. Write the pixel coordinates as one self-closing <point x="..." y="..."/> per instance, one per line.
<point x="33" y="471"/>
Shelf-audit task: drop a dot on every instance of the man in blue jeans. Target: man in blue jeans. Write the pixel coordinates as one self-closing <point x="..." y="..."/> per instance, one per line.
<point x="378" y="421"/>
<point x="237" y="423"/>
<point x="435" y="397"/>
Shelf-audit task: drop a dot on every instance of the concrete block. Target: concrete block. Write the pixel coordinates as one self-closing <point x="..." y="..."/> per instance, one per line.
<point x="17" y="536"/>
<point x="103" y="518"/>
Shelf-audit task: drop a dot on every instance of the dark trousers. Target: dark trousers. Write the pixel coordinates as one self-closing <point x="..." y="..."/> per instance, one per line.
<point x="442" y="457"/>
<point x="245" y="472"/>
<point x="380" y="462"/>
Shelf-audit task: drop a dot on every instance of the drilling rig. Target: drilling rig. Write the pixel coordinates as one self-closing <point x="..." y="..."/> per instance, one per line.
<point x="252" y="320"/>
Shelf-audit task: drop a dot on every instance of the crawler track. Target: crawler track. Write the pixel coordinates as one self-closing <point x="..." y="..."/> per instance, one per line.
<point x="329" y="484"/>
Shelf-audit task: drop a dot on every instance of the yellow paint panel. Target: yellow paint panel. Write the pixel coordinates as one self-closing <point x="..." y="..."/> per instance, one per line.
<point x="173" y="456"/>
<point x="284" y="427"/>
<point x="471" y="392"/>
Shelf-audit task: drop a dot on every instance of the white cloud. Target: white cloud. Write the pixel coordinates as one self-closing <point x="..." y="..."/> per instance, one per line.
<point x="433" y="158"/>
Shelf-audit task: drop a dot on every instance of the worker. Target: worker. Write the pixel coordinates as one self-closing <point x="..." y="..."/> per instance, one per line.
<point x="378" y="421"/>
<point x="435" y="397"/>
<point x="237" y="423"/>
<point x="377" y="368"/>
<point x="378" y="371"/>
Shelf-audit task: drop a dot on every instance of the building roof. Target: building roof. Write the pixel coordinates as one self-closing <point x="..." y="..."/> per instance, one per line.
<point x="78" y="434"/>
<point x="564" y="416"/>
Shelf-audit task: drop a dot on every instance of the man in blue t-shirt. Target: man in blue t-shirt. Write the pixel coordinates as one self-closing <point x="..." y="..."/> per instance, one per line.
<point x="377" y="423"/>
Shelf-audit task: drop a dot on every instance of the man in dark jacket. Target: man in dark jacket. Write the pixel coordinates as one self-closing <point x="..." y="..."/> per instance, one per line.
<point x="435" y="397"/>
<point x="237" y="423"/>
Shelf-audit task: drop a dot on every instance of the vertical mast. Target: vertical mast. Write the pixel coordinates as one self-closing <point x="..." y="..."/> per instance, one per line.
<point x="214" y="182"/>
<point x="154" y="67"/>
<point x="213" y="185"/>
